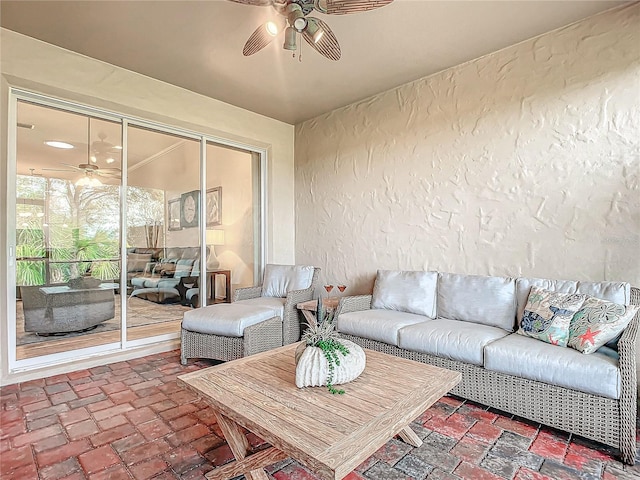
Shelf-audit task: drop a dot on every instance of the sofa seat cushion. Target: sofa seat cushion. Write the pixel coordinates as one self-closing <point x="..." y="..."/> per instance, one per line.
<point x="379" y="325"/>
<point x="525" y="357"/>
<point x="478" y="299"/>
<point x="275" y="304"/>
<point x="225" y="319"/>
<point x="453" y="339"/>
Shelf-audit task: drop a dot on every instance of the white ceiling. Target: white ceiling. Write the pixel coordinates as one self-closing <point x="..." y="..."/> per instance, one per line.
<point x="198" y="44"/>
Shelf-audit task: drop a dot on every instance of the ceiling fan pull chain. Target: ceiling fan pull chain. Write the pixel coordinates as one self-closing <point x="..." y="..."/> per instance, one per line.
<point x="300" y="49"/>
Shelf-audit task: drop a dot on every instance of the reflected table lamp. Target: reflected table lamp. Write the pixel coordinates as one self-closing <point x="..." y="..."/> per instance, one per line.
<point x="214" y="237"/>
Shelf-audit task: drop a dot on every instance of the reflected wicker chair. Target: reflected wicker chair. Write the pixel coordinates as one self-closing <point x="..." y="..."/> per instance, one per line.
<point x="265" y="335"/>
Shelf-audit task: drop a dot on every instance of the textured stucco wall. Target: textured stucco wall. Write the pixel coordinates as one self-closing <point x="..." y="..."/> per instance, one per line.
<point x="523" y="162"/>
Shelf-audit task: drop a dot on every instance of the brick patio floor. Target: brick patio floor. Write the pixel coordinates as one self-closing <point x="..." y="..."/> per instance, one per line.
<point x="131" y="420"/>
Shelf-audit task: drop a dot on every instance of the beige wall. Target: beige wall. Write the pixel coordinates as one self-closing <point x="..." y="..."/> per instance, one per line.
<point x="523" y="162"/>
<point x="40" y="67"/>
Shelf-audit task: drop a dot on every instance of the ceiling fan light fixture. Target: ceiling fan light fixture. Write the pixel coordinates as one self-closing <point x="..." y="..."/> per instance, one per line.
<point x="272" y="29"/>
<point x="289" y="39"/>
<point x="88" y="181"/>
<point x="314" y="30"/>
<point x="300" y="24"/>
<point x="296" y="18"/>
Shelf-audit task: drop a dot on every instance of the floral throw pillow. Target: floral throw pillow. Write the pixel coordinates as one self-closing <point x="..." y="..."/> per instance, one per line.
<point x="597" y="322"/>
<point x="547" y="315"/>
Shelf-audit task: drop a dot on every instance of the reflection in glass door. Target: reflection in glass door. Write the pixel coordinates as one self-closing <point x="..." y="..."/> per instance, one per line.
<point x="189" y="241"/>
<point x="67" y="231"/>
<point x="163" y="246"/>
<point x="233" y="220"/>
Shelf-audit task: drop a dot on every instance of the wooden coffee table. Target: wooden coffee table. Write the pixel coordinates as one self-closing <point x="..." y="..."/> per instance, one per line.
<point x="330" y="434"/>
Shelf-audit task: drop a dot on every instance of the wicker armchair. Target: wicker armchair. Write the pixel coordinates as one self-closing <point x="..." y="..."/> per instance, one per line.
<point x="257" y="338"/>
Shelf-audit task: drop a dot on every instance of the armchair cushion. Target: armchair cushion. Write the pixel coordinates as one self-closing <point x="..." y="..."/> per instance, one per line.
<point x="281" y="279"/>
<point x="405" y="291"/>
<point x="225" y="319"/>
<point x="275" y="304"/>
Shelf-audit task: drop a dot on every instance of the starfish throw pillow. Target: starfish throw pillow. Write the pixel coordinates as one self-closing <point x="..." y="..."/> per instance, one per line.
<point x="597" y="322"/>
<point x="547" y="315"/>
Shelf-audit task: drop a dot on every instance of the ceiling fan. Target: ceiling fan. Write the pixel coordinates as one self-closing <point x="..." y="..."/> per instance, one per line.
<point x="314" y="31"/>
<point x="101" y="150"/>
<point x="91" y="173"/>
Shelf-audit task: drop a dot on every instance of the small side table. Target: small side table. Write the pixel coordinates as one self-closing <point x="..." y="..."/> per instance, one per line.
<point x="211" y="280"/>
<point x="309" y="308"/>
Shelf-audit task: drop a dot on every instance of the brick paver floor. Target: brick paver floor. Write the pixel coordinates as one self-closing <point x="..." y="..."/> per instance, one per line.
<point x="130" y="420"/>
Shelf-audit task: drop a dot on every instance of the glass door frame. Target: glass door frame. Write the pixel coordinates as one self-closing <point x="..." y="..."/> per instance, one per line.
<point x="17" y="94"/>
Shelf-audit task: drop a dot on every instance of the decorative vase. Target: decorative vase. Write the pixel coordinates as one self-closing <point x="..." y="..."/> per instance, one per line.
<point x="312" y="367"/>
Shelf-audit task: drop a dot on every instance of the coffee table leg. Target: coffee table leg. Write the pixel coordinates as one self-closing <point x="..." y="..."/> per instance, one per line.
<point x="251" y="466"/>
<point x="410" y="437"/>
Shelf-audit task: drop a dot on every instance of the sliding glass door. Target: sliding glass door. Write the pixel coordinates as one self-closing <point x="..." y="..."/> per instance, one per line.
<point x="163" y="236"/>
<point x="67" y="231"/>
<point x="121" y="226"/>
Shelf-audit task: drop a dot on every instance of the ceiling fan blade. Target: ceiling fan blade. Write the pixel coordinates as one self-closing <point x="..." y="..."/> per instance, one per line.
<point x="107" y="174"/>
<point x="259" y="39"/>
<point x="342" y="7"/>
<point x="257" y="3"/>
<point x="73" y="166"/>
<point x="56" y="170"/>
<point x="327" y="44"/>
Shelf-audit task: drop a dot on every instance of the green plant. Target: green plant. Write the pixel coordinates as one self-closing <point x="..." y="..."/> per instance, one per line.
<point x="322" y="334"/>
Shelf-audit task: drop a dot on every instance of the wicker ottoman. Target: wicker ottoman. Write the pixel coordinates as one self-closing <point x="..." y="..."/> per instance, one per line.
<point x="227" y="331"/>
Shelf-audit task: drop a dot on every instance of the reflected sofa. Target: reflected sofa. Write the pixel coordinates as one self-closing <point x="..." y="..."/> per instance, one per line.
<point x="160" y="278"/>
<point x="79" y="305"/>
<point x="468" y="323"/>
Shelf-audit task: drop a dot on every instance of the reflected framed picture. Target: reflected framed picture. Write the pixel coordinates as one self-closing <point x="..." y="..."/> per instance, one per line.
<point x="214" y="206"/>
<point x="173" y="209"/>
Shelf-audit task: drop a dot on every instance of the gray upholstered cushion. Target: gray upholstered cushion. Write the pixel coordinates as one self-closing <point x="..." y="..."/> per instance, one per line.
<point x="281" y="279"/>
<point x="478" y="299"/>
<point x="275" y="304"/>
<point x="380" y="325"/>
<point x="137" y="262"/>
<point x="597" y="374"/>
<point x="225" y="319"/>
<point x="454" y="339"/>
<point x="405" y="291"/>
<point x="616" y="292"/>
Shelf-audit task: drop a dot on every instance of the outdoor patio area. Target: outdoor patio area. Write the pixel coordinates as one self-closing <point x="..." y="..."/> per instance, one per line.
<point x="131" y="420"/>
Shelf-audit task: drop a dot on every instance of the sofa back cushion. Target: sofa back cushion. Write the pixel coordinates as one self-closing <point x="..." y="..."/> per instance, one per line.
<point x="406" y="291"/>
<point x="617" y="292"/>
<point x="281" y="279"/>
<point x="136" y="262"/>
<point x="183" y="268"/>
<point x="478" y="299"/>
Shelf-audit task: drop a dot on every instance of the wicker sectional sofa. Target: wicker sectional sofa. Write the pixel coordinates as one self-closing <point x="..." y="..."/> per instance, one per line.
<point x="468" y="323"/>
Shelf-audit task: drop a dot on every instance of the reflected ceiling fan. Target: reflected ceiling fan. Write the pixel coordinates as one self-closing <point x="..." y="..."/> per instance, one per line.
<point x="314" y="31"/>
<point x="89" y="171"/>
<point x="101" y="150"/>
<point x="98" y="150"/>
